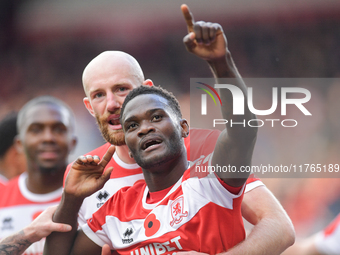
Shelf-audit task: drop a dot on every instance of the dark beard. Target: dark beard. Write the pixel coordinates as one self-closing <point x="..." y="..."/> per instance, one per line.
<point x="116" y="137"/>
<point x="50" y="170"/>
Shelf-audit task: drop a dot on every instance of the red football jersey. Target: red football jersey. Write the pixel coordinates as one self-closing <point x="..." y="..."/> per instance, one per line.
<point x="125" y="175"/>
<point x="19" y="207"/>
<point x="328" y="240"/>
<point x="197" y="214"/>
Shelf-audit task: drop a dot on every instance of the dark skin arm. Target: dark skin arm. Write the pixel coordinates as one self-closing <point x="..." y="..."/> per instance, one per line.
<point x="85" y="177"/>
<point x="236" y="144"/>
<point x="207" y="41"/>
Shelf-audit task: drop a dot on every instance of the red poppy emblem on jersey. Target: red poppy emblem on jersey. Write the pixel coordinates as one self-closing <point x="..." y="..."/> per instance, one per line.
<point x="177" y="211"/>
<point x="151" y="225"/>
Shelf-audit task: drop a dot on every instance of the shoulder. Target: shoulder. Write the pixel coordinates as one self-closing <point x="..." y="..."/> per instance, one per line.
<point x="200" y="142"/>
<point x="100" y="151"/>
<point x="199" y="133"/>
<point x="10" y="193"/>
<point x="13" y="183"/>
<point x="327" y="241"/>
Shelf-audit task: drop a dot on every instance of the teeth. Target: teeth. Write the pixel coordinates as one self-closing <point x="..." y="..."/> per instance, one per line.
<point x="150" y="143"/>
<point x="113" y="122"/>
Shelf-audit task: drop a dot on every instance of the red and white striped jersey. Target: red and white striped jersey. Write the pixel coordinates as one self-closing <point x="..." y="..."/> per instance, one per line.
<point x="198" y="214"/>
<point x="124" y="175"/>
<point x="328" y="240"/>
<point x="19" y="207"/>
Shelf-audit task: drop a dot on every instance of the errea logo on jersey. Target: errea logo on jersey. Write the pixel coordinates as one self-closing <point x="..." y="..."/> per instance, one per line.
<point x="128" y="232"/>
<point x="102" y="197"/>
<point x="7" y="224"/>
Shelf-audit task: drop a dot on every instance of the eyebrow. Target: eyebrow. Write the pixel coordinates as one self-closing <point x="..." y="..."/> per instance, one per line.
<point x="148" y="112"/>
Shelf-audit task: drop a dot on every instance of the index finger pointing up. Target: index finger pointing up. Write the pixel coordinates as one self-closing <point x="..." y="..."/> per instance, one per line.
<point x="107" y="157"/>
<point x="189" y="18"/>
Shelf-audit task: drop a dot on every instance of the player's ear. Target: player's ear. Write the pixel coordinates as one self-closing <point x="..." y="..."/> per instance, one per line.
<point x="88" y="106"/>
<point x="185" y="127"/>
<point x="130" y="154"/>
<point x="148" y="82"/>
<point x="18" y="144"/>
<point x="73" y="143"/>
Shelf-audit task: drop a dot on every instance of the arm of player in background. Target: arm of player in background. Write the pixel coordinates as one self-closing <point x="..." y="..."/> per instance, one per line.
<point x="303" y="247"/>
<point x="236" y="144"/>
<point x="41" y="227"/>
<point x="85" y="177"/>
<point x="325" y="241"/>
<point x="273" y="230"/>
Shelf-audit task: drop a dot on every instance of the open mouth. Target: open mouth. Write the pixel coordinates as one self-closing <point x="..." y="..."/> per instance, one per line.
<point x="49" y="154"/>
<point x="151" y="142"/>
<point x="114" y="122"/>
<point x="114" y="119"/>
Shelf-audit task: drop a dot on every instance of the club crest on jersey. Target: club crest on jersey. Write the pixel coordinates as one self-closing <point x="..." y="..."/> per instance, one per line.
<point x="177" y="211"/>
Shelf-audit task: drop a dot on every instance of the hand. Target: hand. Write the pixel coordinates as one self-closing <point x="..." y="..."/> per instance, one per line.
<point x="43" y="225"/>
<point x="106" y="250"/>
<point x="87" y="174"/>
<point x="204" y="39"/>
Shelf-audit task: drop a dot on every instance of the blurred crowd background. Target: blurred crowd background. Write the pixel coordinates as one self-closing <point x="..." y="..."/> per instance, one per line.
<point x="45" y="45"/>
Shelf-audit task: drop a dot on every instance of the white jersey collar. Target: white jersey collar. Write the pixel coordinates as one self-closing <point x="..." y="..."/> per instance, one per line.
<point x="123" y="164"/>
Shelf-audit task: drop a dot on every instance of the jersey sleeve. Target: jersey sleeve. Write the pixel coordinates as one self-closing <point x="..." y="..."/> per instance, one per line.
<point x="214" y="189"/>
<point x="328" y="240"/>
<point x="252" y="183"/>
<point x="94" y="228"/>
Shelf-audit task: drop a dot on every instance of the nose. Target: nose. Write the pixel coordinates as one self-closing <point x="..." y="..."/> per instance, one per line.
<point x="48" y="135"/>
<point x="145" y="128"/>
<point x="113" y="102"/>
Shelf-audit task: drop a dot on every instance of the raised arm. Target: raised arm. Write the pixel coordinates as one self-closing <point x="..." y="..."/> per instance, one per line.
<point x="41" y="227"/>
<point x="85" y="177"/>
<point x="236" y="143"/>
<point x="207" y="41"/>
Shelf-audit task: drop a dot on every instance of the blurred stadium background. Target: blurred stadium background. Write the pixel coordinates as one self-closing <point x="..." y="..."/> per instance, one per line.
<point x="45" y="45"/>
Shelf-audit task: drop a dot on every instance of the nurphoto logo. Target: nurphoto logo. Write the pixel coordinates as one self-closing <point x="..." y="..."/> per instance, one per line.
<point x="239" y="104"/>
<point x="204" y="97"/>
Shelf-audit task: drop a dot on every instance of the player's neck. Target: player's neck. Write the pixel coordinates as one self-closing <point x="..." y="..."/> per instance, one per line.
<point x="43" y="183"/>
<point x="123" y="154"/>
<point x="164" y="175"/>
<point x="43" y="180"/>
